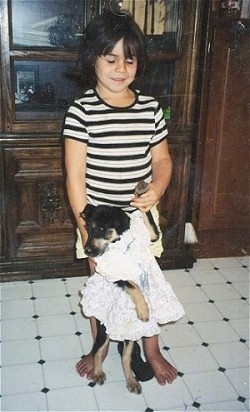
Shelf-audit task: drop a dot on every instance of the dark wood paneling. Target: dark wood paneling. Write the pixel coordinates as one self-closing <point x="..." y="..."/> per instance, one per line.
<point x="225" y="184"/>
<point x="220" y="207"/>
<point x="38" y="220"/>
<point x="172" y="206"/>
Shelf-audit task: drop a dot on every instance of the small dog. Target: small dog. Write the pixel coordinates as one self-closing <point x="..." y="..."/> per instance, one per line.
<point x="105" y="224"/>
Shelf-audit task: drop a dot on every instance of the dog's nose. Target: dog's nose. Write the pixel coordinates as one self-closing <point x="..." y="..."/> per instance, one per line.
<point x="88" y="250"/>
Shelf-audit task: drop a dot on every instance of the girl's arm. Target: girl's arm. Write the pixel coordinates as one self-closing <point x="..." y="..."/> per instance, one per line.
<point x="161" y="175"/>
<point x="75" y="164"/>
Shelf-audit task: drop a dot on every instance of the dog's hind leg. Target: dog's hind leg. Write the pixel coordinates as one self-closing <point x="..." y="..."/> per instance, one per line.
<point x="132" y="384"/>
<point x="137" y="297"/>
<point x="101" y="342"/>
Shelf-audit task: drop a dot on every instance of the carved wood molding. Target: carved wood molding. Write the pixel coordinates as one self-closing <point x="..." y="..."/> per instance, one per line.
<point x="50" y="201"/>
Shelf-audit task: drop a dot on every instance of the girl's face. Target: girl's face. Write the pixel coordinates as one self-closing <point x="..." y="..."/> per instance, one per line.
<point x="114" y="72"/>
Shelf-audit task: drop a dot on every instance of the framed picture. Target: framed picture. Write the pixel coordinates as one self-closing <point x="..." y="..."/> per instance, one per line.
<point x="26" y="79"/>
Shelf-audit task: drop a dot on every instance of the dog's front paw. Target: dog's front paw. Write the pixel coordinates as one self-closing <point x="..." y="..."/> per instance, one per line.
<point x="100" y="378"/>
<point x="133" y="385"/>
<point x="142" y="311"/>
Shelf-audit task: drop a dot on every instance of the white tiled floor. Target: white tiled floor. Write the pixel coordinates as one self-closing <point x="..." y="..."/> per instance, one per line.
<point x="44" y="335"/>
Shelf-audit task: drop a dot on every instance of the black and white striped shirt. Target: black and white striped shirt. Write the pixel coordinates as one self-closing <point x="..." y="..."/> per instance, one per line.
<point x="119" y="140"/>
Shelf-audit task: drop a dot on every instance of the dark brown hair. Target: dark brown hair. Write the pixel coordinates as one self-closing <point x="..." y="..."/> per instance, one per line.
<point x="101" y="36"/>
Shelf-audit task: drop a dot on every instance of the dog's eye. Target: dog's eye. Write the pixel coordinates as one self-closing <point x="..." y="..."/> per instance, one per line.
<point x="109" y="233"/>
<point x="96" y="227"/>
<point x="99" y="232"/>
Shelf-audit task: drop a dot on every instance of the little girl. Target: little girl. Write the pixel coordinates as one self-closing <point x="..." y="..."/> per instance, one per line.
<point x="114" y="137"/>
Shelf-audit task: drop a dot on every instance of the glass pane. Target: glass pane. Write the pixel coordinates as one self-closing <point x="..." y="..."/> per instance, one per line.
<point x="43" y="89"/>
<point x="160" y="20"/>
<point x="158" y="81"/>
<point x="47" y="23"/>
<point x="60" y="23"/>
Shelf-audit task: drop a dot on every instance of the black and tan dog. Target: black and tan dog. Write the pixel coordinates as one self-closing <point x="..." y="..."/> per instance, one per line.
<point x="105" y="224"/>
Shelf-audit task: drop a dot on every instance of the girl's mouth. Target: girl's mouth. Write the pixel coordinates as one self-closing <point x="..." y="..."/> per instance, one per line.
<point x="118" y="79"/>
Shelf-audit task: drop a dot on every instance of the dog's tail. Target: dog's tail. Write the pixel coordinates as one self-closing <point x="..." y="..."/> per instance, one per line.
<point x="141" y="188"/>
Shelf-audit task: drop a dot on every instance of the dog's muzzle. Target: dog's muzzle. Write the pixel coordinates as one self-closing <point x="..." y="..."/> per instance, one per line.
<point x="96" y="248"/>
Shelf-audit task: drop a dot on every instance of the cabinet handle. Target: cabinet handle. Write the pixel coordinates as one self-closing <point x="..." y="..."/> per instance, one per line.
<point x="50" y="202"/>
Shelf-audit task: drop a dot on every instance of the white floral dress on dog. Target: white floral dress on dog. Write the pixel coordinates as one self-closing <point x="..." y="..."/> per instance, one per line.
<point x="130" y="259"/>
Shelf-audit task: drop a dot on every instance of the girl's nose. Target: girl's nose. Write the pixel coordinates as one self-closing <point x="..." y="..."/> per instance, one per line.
<point x="121" y="67"/>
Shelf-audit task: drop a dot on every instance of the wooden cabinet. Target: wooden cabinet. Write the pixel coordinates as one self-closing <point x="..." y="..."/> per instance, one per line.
<point x="37" y="220"/>
<point x="221" y="212"/>
<point x="39" y="47"/>
<point x="38" y="230"/>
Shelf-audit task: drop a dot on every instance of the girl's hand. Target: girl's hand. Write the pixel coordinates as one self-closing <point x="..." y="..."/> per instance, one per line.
<point x="146" y="201"/>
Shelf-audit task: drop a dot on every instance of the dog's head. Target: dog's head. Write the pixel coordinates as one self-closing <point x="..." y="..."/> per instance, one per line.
<point x="104" y="225"/>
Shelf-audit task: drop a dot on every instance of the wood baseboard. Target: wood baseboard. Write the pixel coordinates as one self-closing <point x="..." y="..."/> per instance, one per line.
<point x="182" y="258"/>
<point x="222" y="243"/>
<point x="31" y="269"/>
<point x="28" y="269"/>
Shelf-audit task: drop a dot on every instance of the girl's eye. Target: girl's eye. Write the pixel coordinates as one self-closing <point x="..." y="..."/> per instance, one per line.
<point x="109" y="59"/>
<point x="130" y="61"/>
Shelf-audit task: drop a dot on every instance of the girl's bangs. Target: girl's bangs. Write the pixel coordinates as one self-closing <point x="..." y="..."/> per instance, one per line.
<point x="130" y="48"/>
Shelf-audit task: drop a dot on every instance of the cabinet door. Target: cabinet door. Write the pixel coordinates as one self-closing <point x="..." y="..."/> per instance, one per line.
<point x="172" y="206"/>
<point x="225" y="184"/>
<point x="38" y="222"/>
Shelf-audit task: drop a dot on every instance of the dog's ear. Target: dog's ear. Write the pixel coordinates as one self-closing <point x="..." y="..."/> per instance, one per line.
<point x="87" y="212"/>
<point x="122" y="220"/>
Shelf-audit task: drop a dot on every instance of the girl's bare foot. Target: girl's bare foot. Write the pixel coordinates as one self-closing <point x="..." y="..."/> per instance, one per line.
<point x="85" y="366"/>
<point x="164" y="372"/>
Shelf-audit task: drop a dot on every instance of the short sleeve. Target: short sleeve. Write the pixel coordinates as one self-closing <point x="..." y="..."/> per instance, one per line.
<point x="161" y="130"/>
<point x="75" y="123"/>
